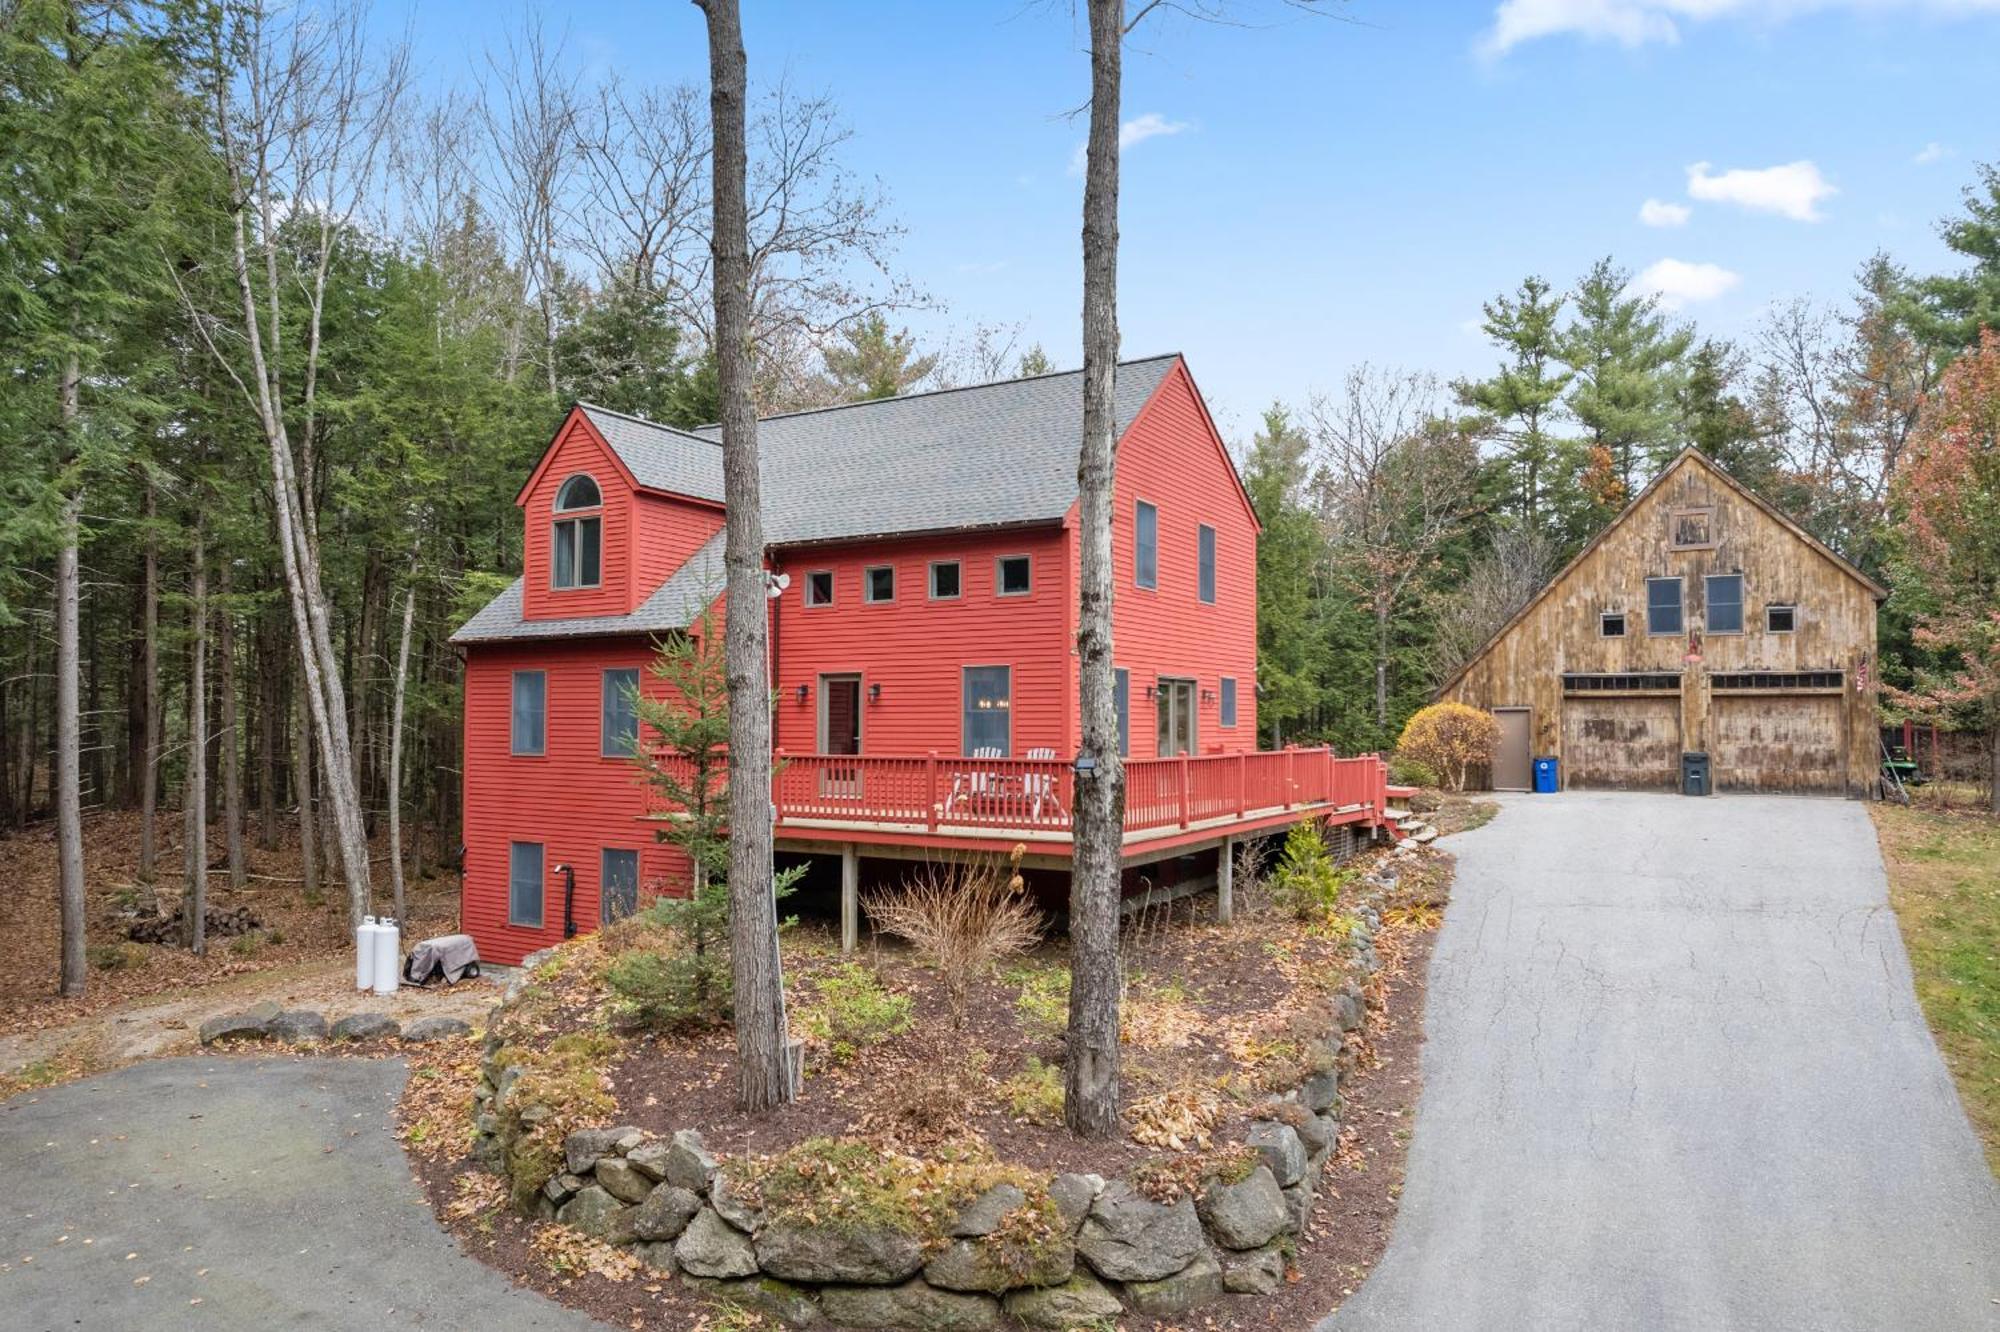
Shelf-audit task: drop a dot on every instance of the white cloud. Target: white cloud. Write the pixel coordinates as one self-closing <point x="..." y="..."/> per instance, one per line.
<point x="1152" y="125"/>
<point x="1676" y="282"/>
<point x="1631" y="23"/>
<point x="1931" y="152"/>
<point x="1793" y="190"/>
<point x="1656" y="214"/>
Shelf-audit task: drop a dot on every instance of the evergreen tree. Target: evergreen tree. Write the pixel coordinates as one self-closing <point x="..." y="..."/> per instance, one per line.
<point x="1945" y="313"/>
<point x="1522" y="399"/>
<point x="869" y="361"/>
<point x="1289" y="570"/>
<point x="1625" y="359"/>
<point x="1713" y="419"/>
<point x="625" y="351"/>
<point x="1034" y="361"/>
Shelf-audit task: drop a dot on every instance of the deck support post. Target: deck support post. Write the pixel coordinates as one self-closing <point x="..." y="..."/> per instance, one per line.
<point x="850" y="897"/>
<point x="1225" y="881"/>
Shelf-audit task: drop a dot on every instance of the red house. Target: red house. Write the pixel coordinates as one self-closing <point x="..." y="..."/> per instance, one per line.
<point x="922" y="647"/>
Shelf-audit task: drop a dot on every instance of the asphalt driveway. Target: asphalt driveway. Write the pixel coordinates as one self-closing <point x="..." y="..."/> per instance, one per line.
<point x="232" y="1194"/>
<point x="1675" y="1077"/>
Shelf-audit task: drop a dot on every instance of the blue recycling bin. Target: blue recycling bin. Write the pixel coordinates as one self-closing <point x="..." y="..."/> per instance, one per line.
<point x="1545" y="776"/>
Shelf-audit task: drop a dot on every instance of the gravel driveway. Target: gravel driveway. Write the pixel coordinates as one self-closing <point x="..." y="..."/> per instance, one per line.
<point x="1676" y="1078"/>
<point x="220" y="1193"/>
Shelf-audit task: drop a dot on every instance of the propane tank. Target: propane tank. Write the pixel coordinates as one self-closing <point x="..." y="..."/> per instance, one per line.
<point x="388" y="955"/>
<point x="364" y="954"/>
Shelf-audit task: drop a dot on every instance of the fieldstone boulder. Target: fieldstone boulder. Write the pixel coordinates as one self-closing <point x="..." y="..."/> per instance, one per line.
<point x="982" y="1216"/>
<point x="688" y="1163"/>
<point x="1281" y="1149"/>
<point x="1299" y="1203"/>
<point x="1316" y="1133"/>
<point x="436" y="1029"/>
<point x="583" y="1148"/>
<point x="1082" y="1301"/>
<point x="1129" y="1237"/>
<point x="987" y="1265"/>
<point x="252" y="1024"/>
<point x="1257" y="1272"/>
<point x="561" y="1187"/>
<point x="1199" y="1283"/>
<point x="656" y="1254"/>
<point x="1348" y="1011"/>
<point x="665" y="1213"/>
<point x="373" y="1027"/>
<point x="839" y="1251"/>
<point x="766" y="1295"/>
<point x="1246" y="1214"/>
<point x="1320" y="1092"/>
<point x="618" y="1178"/>
<point x="1073" y="1195"/>
<point x="649" y="1158"/>
<point x="729" y="1203"/>
<point x="598" y="1214"/>
<point x="910" y="1307"/>
<point x="712" y="1247"/>
<point x="297" y="1026"/>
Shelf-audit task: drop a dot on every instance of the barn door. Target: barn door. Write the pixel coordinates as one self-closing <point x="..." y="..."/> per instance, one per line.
<point x="1511" y="768"/>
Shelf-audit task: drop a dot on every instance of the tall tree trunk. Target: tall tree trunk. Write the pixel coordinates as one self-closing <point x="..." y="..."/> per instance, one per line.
<point x="393" y="778"/>
<point x="26" y="757"/>
<point x="194" y="903"/>
<point x="1381" y="669"/>
<point x="68" y="796"/>
<point x="228" y="744"/>
<point x="762" y="1059"/>
<point x="149" y="779"/>
<point x="303" y="792"/>
<point x="1090" y="1070"/>
<point x="270" y="668"/>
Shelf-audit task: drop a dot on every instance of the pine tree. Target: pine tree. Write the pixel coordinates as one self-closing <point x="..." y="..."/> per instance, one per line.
<point x="1290" y="559"/>
<point x="869" y="361"/>
<point x="1945" y="313"/>
<point x="1624" y="358"/>
<point x="1523" y="398"/>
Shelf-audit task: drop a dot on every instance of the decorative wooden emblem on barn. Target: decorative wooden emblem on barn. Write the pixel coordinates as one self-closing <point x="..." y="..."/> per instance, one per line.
<point x="1692" y="528"/>
<point x="1694" y="646"/>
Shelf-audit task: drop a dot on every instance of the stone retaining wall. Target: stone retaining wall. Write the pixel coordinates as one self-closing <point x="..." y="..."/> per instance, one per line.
<point x="1115" y="1249"/>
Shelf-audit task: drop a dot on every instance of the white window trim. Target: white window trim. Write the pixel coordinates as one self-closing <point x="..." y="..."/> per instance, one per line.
<point x="1138" y="581"/>
<point x="999" y="582"/>
<point x="1791" y="606"/>
<point x="1680" y="585"/>
<point x="868" y="596"/>
<point x="930" y="579"/>
<point x="513" y="749"/>
<point x="1624" y="624"/>
<point x="806" y="586"/>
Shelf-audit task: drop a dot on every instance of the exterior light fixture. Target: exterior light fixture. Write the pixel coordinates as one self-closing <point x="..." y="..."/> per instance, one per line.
<point x="1208" y="696"/>
<point x="875" y="692"/>
<point x="803" y="690"/>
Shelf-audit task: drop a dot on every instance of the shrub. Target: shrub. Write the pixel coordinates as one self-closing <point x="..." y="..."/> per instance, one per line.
<point x="1035" y="1094"/>
<point x="1406" y="771"/>
<point x="115" y="956"/>
<point x="246" y="945"/>
<point x="1307" y="883"/>
<point x="1043" y="1004"/>
<point x="851" y="1009"/>
<point x="963" y="918"/>
<point x="1450" y="738"/>
<point x="658" y="992"/>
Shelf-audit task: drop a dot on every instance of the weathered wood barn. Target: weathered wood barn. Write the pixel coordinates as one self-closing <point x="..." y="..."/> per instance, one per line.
<point x="1701" y="620"/>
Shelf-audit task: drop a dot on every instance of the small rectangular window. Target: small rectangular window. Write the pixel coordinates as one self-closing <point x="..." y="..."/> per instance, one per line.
<point x="617" y="884"/>
<point x="524" y="884"/>
<point x="618" y="728"/>
<point x="1724" y="593"/>
<point x="529" y="733"/>
<point x="1781" y="619"/>
<point x="1121" y="687"/>
<point x="1611" y="624"/>
<point x="1228" y="701"/>
<point x="1012" y="576"/>
<point x="1663" y="605"/>
<point x="989" y="699"/>
<point x="1146" y="545"/>
<point x="1207" y="555"/>
<point x="819" y="587"/>
<point x="878" y="583"/>
<point x="944" y="580"/>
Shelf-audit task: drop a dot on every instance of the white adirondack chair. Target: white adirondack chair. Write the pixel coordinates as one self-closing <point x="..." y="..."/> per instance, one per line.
<point x="966" y="785"/>
<point x="1040" y="787"/>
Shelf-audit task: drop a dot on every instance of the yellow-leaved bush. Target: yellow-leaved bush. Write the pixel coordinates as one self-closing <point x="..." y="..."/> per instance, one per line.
<point x="1449" y="738"/>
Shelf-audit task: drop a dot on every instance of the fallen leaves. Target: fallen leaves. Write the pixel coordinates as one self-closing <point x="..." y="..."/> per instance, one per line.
<point x="573" y="1253"/>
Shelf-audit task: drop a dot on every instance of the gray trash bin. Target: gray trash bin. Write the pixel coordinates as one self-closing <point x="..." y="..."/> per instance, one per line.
<point x="1694" y="774"/>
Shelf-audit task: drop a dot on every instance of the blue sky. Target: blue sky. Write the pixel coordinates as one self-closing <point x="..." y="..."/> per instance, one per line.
<point x="1323" y="192"/>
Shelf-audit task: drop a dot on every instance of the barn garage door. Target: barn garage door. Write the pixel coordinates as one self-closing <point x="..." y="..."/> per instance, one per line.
<point x="1776" y="742"/>
<point x="1622" y="743"/>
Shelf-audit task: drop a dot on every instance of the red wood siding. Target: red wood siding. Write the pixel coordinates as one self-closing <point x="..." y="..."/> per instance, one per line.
<point x="916" y="648"/>
<point x="572" y="800"/>
<point x="1172" y="458"/>
<point x="578" y="449"/>
<point x="670" y="530"/>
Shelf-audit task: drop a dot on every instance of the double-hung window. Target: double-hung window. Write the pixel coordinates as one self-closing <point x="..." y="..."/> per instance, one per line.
<point x="1228" y="701"/>
<point x="1207" y="557"/>
<point x="989" y="701"/>
<point x="1146" y="545"/>
<point x="1663" y="605"/>
<point x="524" y="884"/>
<point x="577" y="546"/>
<point x="529" y="729"/>
<point x="619" y="713"/>
<point x="1724" y="593"/>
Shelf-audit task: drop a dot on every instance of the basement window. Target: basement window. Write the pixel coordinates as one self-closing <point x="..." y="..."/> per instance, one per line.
<point x="1781" y="619"/>
<point x="819" y="587"/>
<point x="1611" y="624"/>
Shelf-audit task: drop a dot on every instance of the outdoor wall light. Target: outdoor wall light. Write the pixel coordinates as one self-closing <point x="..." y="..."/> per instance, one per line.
<point x="1152" y="691"/>
<point x="803" y="691"/>
<point x="1208" y="696"/>
<point x="875" y="692"/>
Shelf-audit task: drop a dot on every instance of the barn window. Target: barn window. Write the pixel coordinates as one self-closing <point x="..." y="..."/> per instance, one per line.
<point x="1146" y="545"/>
<point x="1781" y="619"/>
<point x="577" y="543"/>
<point x="1207" y="564"/>
<point x="1692" y="529"/>
<point x="1663" y="605"/>
<point x="819" y="587"/>
<point x="524" y="884"/>
<point x="1611" y="624"/>
<point x="989" y="699"/>
<point x="529" y="730"/>
<point x="1228" y="701"/>
<point x="1725" y="603"/>
<point x="944" y="580"/>
<point x="1013" y="576"/>
<point x="618" y="713"/>
<point x="879" y="583"/>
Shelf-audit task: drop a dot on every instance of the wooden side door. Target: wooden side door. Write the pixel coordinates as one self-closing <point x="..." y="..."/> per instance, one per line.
<point x="1512" y="768"/>
<point x="840" y="733"/>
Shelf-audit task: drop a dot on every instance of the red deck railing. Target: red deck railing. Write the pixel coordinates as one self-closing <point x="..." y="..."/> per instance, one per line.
<point x="1036" y="795"/>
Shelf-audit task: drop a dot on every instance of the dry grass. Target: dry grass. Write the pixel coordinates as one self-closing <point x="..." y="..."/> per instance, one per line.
<point x="964" y="919"/>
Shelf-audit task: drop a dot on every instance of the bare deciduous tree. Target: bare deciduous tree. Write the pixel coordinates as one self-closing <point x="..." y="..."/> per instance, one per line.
<point x="1517" y="564"/>
<point x="642" y="212"/>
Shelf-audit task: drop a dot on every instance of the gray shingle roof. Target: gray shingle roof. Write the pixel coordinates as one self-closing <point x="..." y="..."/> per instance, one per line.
<point x="676" y="604"/>
<point x="988" y="455"/>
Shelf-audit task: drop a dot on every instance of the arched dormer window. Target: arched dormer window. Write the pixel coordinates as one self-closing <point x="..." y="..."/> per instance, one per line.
<point x="578" y="545"/>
